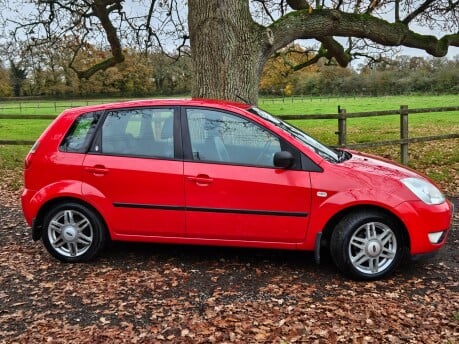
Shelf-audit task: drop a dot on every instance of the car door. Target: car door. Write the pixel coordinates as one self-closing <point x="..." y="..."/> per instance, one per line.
<point x="135" y="165"/>
<point x="233" y="191"/>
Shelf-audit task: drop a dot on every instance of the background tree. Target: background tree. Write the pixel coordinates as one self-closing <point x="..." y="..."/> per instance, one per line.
<point x="17" y="77"/>
<point x="5" y="89"/>
<point x="284" y="71"/>
<point x="232" y="40"/>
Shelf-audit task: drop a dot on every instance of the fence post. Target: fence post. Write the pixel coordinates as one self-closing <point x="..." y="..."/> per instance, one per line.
<point x="342" y="130"/>
<point x="404" y="134"/>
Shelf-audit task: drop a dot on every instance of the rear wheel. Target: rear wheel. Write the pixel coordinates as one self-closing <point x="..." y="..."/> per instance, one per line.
<point x="73" y="232"/>
<point x="367" y="245"/>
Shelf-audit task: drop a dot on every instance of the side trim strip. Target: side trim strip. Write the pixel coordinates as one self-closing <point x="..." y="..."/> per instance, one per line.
<point x="211" y="210"/>
<point x="248" y="212"/>
<point x="148" y="206"/>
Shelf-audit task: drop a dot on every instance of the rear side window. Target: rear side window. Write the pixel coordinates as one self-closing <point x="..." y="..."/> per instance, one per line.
<point x="79" y="136"/>
<point x="142" y="132"/>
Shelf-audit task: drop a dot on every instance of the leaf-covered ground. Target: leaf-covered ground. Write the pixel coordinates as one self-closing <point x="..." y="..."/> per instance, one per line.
<point x="186" y="294"/>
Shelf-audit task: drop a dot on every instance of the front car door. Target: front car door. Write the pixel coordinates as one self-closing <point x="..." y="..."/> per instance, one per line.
<point x="233" y="191"/>
<point x="135" y="164"/>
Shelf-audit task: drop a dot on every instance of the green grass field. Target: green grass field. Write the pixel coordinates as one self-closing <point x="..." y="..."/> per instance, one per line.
<point x="369" y="128"/>
<point x="299" y="105"/>
<point x="438" y="159"/>
<point x="43" y="107"/>
<point x="287" y="106"/>
<point x="359" y="130"/>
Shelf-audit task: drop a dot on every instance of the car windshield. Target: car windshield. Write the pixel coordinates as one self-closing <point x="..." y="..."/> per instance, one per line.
<point x="329" y="154"/>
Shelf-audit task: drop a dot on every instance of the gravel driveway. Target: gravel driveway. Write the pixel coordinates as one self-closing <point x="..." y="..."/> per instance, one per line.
<point x="137" y="293"/>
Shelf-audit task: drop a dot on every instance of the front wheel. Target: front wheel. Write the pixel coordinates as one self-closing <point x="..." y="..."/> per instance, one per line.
<point x="73" y="232"/>
<point x="367" y="245"/>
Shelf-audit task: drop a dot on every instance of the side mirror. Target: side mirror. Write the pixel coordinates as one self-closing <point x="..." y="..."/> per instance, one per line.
<point x="283" y="159"/>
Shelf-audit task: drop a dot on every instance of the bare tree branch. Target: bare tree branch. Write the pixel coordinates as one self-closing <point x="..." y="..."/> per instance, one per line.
<point x="102" y="12"/>
<point x="339" y="4"/>
<point x="397" y="10"/>
<point x="357" y="6"/>
<point x="265" y="9"/>
<point x="304" y="64"/>
<point x="373" y="5"/>
<point x="417" y="12"/>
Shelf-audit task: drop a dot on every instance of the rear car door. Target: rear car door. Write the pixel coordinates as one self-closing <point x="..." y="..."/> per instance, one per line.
<point x="233" y="191"/>
<point x="135" y="164"/>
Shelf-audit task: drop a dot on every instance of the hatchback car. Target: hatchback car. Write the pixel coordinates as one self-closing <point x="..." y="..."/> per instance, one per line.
<point x="208" y="172"/>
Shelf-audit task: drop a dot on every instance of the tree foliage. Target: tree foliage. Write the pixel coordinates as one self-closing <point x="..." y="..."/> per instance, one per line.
<point x="156" y="74"/>
<point x="139" y="75"/>
<point x="279" y="75"/>
<point x="402" y="75"/>
<point x="17" y="77"/>
<point x="5" y="85"/>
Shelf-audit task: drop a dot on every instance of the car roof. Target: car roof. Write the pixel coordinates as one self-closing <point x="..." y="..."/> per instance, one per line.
<point x="214" y="103"/>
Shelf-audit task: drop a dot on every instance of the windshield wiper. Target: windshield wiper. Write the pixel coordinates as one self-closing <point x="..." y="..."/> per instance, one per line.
<point x="342" y="155"/>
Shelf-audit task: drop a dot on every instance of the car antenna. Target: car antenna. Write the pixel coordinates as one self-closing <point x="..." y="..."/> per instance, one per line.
<point x="243" y="100"/>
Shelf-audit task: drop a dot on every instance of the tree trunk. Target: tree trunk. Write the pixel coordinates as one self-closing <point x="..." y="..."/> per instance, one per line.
<point x="227" y="50"/>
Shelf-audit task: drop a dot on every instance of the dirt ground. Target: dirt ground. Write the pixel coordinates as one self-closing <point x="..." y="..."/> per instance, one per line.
<point x="136" y="293"/>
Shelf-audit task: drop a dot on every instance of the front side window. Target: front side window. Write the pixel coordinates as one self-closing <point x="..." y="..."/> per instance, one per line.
<point x="222" y="137"/>
<point x="325" y="152"/>
<point x="79" y="136"/>
<point x="143" y="132"/>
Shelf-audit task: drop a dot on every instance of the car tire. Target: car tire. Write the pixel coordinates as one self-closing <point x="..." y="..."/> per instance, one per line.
<point x="367" y="245"/>
<point x="73" y="232"/>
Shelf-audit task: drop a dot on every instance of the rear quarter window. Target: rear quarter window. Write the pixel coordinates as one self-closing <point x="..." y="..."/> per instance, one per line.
<point x="78" y="138"/>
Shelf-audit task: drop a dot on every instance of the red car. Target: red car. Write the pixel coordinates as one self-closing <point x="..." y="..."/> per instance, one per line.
<point x="209" y="172"/>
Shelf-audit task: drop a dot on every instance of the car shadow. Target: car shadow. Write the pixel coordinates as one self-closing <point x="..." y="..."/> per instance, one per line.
<point x="198" y="256"/>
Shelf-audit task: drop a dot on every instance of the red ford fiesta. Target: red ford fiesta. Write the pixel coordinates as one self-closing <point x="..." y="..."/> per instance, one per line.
<point x="218" y="173"/>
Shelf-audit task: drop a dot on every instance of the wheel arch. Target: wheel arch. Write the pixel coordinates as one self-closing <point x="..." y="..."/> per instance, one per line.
<point x="335" y="219"/>
<point x="37" y="226"/>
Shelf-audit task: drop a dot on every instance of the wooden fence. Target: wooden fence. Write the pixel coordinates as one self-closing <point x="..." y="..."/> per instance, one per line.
<point x="404" y="140"/>
<point x="341" y="118"/>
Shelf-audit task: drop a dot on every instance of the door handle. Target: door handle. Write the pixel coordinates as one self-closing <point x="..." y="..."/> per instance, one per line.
<point x="97" y="169"/>
<point x="201" y="179"/>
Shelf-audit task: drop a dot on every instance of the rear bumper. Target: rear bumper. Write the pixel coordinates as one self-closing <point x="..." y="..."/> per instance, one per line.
<point x="28" y="209"/>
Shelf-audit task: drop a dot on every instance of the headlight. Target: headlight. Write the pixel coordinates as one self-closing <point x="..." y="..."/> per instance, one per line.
<point x="427" y="192"/>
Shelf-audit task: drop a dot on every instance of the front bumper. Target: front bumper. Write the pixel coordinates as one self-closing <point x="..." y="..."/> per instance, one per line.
<point x="423" y="221"/>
